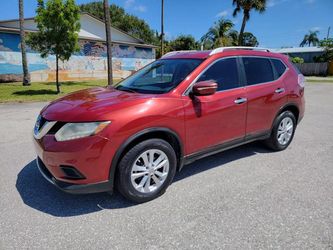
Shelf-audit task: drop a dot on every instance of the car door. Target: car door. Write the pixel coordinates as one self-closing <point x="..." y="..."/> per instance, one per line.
<point x="265" y="92"/>
<point x="218" y="118"/>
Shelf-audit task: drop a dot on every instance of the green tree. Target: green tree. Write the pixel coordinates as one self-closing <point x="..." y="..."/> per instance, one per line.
<point x="250" y="40"/>
<point x="166" y="45"/>
<point x="233" y="34"/>
<point x="58" y="26"/>
<point x="327" y="56"/>
<point x="218" y="34"/>
<point x="26" y="78"/>
<point x="183" y="42"/>
<point x="247" y="6"/>
<point x="137" y="28"/>
<point x="310" y="38"/>
<point x="120" y="19"/>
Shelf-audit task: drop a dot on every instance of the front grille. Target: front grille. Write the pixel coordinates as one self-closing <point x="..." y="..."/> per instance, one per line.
<point x="42" y="127"/>
<point x="42" y="121"/>
<point x="56" y="128"/>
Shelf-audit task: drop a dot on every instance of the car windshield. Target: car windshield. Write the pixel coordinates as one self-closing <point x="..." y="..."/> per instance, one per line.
<point x="159" y="77"/>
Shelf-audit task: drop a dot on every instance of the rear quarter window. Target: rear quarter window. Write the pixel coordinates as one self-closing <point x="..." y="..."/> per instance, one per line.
<point x="295" y="68"/>
<point x="279" y="66"/>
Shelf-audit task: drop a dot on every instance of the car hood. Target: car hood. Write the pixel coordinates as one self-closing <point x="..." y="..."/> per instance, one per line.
<point x="95" y="104"/>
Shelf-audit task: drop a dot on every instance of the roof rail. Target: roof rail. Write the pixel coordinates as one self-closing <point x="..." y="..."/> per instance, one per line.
<point x="221" y="49"/>
<point x="176" y="52"/>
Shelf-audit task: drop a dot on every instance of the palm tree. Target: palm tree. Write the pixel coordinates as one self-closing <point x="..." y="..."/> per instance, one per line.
<point x="311" y="38"/>
<point x="107" y="21"/>
<point x="247" y="6"/>
<point x="26" y="78"/>
<point x="218" y="35"/>
<point x="233" y="34"/>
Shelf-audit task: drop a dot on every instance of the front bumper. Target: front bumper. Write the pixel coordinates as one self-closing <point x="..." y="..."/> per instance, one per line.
<point x="70" y="187"/>
<point x="91" y="157"/>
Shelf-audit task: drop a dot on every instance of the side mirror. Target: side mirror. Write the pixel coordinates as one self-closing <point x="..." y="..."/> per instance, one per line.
<point x="204" y="88"/>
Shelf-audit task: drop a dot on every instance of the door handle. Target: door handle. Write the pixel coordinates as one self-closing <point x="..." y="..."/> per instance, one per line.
<point x="240" y="100"/>
<point x="279" y="90"/>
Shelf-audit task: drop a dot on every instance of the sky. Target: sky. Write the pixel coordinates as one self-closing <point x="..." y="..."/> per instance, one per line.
<point x="284" y="23"/>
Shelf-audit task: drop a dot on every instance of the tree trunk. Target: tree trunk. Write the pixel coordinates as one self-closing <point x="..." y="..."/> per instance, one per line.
<point x="26" y="78"/>
<point x="241" y="32"/>
<point x="57" y="74"/>
<point x="107" y="21"/>
<point x="162" y="29"/>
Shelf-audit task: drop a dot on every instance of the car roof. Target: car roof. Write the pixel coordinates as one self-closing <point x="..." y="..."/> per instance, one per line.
<point x="187" y="54"/>
<point x="223" y="51"/>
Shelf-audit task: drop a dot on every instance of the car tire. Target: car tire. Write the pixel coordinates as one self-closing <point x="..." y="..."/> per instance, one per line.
<point x="283" y="131"/>
<point x="146" y="170"/>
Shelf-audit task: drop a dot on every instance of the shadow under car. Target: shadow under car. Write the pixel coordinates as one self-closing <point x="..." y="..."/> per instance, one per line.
<point x="39" y="194"/>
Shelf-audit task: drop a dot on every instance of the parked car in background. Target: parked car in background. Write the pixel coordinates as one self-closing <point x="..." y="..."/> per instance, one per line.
<point x="183" y="107"/>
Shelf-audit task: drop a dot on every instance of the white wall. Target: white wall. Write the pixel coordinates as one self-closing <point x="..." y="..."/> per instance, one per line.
<point x="94" y="29"/>
<point x="28" y="24"/>
<point x="91" y="28"/>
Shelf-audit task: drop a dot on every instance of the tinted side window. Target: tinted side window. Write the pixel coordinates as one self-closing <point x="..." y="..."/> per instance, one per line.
<point x="279" y="67"/>
<point x="224" y="73"/>
<point x="258" y="70"/>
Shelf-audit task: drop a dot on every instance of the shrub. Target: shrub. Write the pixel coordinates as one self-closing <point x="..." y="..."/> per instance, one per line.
<point x="297" y="60"/>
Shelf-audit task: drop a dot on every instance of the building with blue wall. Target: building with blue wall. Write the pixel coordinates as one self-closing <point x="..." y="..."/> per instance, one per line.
<point x="307" y="53"/>
<point x="129" y="53"/>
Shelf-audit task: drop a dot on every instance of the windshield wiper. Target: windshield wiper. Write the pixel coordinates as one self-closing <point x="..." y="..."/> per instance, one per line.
<point x="121" y="88"/>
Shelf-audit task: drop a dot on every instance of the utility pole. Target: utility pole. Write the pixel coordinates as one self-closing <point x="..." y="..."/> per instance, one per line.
<point x="107" y="21"/>
<point x="162" y="29"/>
<point x="328" y="32"/>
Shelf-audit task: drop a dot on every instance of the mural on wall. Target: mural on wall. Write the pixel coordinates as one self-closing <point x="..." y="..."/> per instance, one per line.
<point x="89" y="63"/>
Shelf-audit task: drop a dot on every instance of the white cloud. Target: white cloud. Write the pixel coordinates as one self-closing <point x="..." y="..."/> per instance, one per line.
<point x="129" y="3"/>
<point x="315" y="28"/>
<point x="223" y="13"/>
<point x="272" y="3"/>
<point x="140" y="8"/>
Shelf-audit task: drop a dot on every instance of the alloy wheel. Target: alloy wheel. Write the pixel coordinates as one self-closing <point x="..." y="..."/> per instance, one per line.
<point x="285" y="130"/>
<point x="150" y="170"/>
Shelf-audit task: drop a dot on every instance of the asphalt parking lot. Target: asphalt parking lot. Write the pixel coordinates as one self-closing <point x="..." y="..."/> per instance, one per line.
<point x="243" y="198"/>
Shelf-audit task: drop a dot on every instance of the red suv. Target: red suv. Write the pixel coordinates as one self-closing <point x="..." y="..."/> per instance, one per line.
<point x="183" y="107"/>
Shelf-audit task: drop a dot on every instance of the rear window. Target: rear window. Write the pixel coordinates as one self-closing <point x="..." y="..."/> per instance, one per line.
<point x="258" y="70"/>
<point x="279" y="66"/>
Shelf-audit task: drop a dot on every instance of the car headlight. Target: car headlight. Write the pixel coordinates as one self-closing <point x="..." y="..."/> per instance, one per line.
<point x="72" y="131"/>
